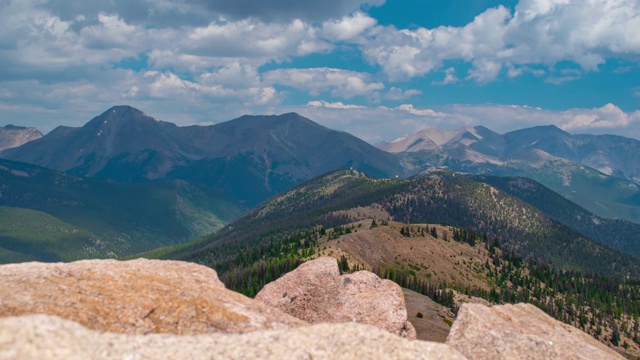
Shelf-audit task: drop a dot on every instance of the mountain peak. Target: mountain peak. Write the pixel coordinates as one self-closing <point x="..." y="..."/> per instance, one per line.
<point x="12" y="136"/>
<point x="541" y="131"/>
<point x="124" y="112"/>
<point x="119" y="116"/>
<point x="13" y="127"/>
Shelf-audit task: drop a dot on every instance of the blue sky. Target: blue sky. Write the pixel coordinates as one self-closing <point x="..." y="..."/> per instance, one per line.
<point x="378" y="69"/>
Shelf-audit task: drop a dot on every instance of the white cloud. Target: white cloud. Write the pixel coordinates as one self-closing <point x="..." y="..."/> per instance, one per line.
<point x="608" y="117"/>
<point x="420" y="112"/>
<point x="348" y="28"/>
<point x="111" y="33"/>
<point x="338" y="82"/>
<point x="333" y="105"/>
<point x="248" y="38"/>
<point x="398" y="94"/>
<point x="286" y="10"/>
<point x="36" y="41"/>
<point x="538" y="32"/>
<point x="449" y="77"/>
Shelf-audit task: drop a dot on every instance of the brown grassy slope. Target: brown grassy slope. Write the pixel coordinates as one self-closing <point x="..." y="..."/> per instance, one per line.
<point x="437" y="260"/>
<point x="435" y="323"/>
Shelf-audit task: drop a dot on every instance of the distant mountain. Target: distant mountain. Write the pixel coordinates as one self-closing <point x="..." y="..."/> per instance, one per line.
<point x="346" y="196"/>
<point x="599" y="172"/>
<point x="13" y="136"/>
<point x="249" y="159"/>
<point x="113" y="219"/>
<point x="254" y="157"/>
<point x="123" y="144"/>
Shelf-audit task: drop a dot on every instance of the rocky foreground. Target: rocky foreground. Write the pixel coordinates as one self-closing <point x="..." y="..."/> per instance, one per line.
<point x="151" y="309"/>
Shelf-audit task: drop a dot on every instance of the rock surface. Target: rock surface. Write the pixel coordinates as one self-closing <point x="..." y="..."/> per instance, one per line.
<point x="520" y="331"/>
<point x="51" y="338"/>
<point x="138" y="296"/>
<point x="315" y="292"/>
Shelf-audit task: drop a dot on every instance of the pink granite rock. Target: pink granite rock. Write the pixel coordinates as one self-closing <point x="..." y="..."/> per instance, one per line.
<point x="315" y="292"/>
<point x="136" y="297"/>
<point x="520" y="331"/>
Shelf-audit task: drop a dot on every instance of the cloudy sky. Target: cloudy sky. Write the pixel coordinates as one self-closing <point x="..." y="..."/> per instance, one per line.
<point x="376" y="68"/>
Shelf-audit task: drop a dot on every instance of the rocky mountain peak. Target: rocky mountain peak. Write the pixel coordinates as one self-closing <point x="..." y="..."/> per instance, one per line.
<point x="119" y="116"/>
<point x="12" y="136"/>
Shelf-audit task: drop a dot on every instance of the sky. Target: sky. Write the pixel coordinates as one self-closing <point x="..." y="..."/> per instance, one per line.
<point x="377" y="69"/>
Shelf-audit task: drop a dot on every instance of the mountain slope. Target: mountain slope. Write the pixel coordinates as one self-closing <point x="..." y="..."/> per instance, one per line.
<point x="254" y="157"/>
<point x="618" y="234"/>
<point x="28" y="235"/>
<point x="347" y="196"/>
<point x="250" y="158"/>
<point x="13" y="136"/>
<point x="128" y="218"/>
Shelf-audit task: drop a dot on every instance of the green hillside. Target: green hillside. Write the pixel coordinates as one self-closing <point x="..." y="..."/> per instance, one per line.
<point x="456" y="200"/>
<point x="129" y="218"/>
<point x="618" y="234"/>
<point x="28" y="235"/>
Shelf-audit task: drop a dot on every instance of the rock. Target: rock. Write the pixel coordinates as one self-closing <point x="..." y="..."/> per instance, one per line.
<point x="52" y="338"/>
<point x="138" y="296"/>
<point x="315" y="292"/>
<point x="520" y="331"/>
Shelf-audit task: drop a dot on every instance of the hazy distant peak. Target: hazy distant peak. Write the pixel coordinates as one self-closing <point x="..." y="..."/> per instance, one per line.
<point x="12" y="136"/>
<point x="13" y="127"/>
<point x="432" y="139"/>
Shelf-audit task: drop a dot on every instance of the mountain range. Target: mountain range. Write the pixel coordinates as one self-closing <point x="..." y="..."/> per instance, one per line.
<point x="598" y="172"/>
<point x="248" y="159"/>
<point x="210" y="174"/>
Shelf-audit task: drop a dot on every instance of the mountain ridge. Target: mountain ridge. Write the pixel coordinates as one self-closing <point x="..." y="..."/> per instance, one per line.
<point x="266" y="154"/>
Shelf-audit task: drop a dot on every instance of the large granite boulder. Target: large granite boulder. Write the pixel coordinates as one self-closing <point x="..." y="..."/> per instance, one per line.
<point x="520" y="331"/>
<point x="138" y="297"/>
<point x="52" y="338"/>
<point x="315" y="292"/>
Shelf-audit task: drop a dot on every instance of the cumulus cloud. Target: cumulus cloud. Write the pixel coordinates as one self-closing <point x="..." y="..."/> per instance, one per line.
<point x="204" y="60"/>
<point x="608" y="117"/>
<point x="338" y="82"/>
<point x="398" y="94"/>
<point x="247" y="38"/>
<point x="538" y="32"/>
<point x="449" y="77"/>
<point x="333" y="105"/>
<point x="286" y="10"/>
<point x="348" y="28"/>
